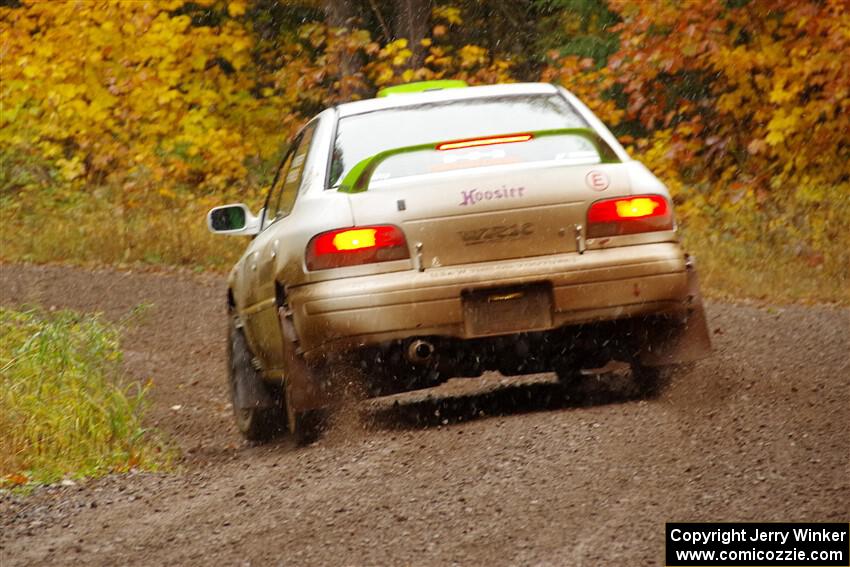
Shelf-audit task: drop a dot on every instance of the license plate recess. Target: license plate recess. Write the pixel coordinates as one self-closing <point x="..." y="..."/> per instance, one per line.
<point x="503" y="310"/>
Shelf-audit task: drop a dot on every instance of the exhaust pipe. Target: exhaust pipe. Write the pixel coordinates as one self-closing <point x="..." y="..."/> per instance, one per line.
<point x="420" y="352"/>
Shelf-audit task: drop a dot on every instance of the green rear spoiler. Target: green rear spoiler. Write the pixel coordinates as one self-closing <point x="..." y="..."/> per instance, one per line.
<point x="357" y="180"/>
<point x="421" y="87"/>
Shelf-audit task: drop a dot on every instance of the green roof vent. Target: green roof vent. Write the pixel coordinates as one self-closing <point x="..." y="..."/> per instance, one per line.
<point x="421" y="87"/>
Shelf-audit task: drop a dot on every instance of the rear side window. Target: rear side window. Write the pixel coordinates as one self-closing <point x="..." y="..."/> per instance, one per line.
<point x="364" y="135"/>
<point x="288" y="179"/>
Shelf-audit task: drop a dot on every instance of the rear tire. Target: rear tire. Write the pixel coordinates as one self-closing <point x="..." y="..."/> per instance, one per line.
<point x="258" y="423"/>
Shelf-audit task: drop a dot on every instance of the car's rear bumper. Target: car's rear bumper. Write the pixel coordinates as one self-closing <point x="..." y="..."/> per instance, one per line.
<point x="598" y="285"/>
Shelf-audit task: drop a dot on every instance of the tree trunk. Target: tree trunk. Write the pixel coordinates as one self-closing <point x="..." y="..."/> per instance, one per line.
<point x="339" y="13"/>
<point x="412" y="20"/>
<point x="342" y="14"/>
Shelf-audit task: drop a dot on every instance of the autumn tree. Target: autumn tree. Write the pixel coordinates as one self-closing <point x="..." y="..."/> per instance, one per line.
<point x="739" y="106"/>
<point x="135" y="93"/>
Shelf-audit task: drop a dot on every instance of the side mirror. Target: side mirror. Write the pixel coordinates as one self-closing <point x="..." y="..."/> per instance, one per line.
<point x="235" y="220"/>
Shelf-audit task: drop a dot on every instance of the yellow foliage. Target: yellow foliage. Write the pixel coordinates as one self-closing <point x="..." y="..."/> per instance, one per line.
<point x="472" y="55"/>
<point x="236" y="8"/>
<point x="150" y="89"/>
<point x="111" y="92"/>
<point x="449" y="14"/>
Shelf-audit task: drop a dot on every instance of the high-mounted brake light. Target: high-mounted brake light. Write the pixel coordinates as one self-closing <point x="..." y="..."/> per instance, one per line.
<point x="629" y="215"/>
<point x="355" y="246"/>
<point x="487" y="141"/>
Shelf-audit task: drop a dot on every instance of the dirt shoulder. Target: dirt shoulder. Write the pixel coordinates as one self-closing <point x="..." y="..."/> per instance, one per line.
<point x="758" y="432"/>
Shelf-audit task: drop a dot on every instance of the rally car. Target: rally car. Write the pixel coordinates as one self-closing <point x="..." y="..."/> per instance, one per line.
<point x="440" y="230"/>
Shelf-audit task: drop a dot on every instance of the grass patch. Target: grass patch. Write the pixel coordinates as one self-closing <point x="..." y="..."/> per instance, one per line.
<point x="801" y="254"/>
<point x="64" y="411"/>
<point x="758" y="271"/>
<point x="102" y="227"/>
<point x="739" y="255"/>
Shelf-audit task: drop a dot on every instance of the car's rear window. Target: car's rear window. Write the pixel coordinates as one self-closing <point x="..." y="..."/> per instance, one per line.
<point x="364" y="135"/>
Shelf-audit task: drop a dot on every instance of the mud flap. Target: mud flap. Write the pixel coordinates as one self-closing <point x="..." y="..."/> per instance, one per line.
<point x="304" y="386"/>
<point x="686" y="339"/>
<point x="249" y="390"/>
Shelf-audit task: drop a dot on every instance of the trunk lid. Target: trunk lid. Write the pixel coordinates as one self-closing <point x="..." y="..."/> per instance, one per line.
<point x="490" y="213"/>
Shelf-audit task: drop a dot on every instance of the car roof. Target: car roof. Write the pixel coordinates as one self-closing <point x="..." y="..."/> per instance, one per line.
<point x="443" y="95"/>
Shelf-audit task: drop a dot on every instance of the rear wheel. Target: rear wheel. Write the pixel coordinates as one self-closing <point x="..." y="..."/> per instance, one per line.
<point x="256" y="405"/>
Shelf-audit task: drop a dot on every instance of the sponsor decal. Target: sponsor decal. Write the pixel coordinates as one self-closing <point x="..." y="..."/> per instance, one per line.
<point x="481" y="155"/>
<point x="597" y="180"/>
<point x="475" y="196"/>
<point x="497" y="233"/>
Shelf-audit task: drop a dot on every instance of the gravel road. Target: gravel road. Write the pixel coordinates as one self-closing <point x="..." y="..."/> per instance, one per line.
<point x="480" y="472"/>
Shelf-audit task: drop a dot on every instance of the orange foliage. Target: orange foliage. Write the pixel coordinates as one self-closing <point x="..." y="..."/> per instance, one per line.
<point x="741" y="110"/>
<point x="757" y="94"/>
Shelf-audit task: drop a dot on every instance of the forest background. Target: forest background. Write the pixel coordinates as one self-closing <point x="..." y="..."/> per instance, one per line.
<point x="122" y="122"/>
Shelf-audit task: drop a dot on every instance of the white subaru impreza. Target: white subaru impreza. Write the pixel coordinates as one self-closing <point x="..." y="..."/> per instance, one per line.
<point x="438" y="231"/>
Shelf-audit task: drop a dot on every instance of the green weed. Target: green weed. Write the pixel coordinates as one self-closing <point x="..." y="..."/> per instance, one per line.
<point x="64" y="410"/>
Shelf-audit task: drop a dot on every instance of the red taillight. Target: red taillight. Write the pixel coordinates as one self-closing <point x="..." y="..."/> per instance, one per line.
<point x="629" y="215"/>
<point x="355" y="246"/>
<point x="485" y="141"/>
